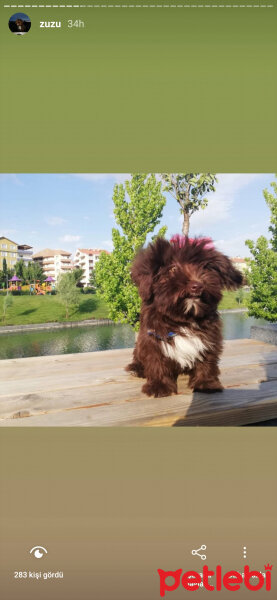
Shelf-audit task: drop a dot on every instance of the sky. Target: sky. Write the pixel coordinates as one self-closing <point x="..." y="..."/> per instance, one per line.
<point x="71" y="211"/>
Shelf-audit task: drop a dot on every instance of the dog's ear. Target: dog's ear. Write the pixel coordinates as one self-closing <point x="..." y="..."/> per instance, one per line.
<point x="146" y="265"/>
<point x="231" y="277"/>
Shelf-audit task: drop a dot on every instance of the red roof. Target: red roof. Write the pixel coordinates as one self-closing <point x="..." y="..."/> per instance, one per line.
<point x="91" y="251"/>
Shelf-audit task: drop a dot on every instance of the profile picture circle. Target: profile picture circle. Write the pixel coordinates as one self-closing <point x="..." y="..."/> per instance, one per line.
<point x="19" y="23"/>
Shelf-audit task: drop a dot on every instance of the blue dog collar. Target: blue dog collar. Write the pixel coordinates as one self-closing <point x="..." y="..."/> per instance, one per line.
<point x="171" y="334"/>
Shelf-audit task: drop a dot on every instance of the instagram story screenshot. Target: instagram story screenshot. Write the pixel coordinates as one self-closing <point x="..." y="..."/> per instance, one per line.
<point x="138" y="299"/>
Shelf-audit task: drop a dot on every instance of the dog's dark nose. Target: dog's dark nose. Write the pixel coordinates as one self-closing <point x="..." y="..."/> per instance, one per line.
<point x="195" y="287"/>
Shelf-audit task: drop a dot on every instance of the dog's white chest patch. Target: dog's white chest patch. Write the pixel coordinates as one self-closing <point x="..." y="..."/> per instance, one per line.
<point x="185" y="349"/>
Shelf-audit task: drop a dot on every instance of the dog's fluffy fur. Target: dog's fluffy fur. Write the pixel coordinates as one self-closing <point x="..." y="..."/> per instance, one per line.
<point x="180" y="284"/>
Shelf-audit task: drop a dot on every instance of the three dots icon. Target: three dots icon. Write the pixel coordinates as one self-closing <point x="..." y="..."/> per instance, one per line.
<point x="244" y="551"/>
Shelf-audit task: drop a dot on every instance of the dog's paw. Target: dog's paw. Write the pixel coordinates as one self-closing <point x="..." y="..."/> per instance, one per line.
<point x="159" y="389"/>
<point x="209" y="387"/>
<point x="135" y="369"/>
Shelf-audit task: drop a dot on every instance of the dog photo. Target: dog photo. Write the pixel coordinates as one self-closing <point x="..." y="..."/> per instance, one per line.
<point x="19" y="23"/>
<point x="180" y="284"/>
<point x="138" y="300"/>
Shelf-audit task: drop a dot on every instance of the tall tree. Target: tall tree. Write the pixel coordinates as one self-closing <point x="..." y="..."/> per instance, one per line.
<point x="263" y="266"/>
<point x="92" y="279"/>
<point x="6" y="274"/>
<point x="5" y="268"/>
<point x="78" y="273"/>
<point x="189" y="189"/>
<point x="138" y="207"/>
<point x="20" y="269"/>
<point x="271" y="200"/>
<point x="34" y="272"/>
<point x="68" y="294"/>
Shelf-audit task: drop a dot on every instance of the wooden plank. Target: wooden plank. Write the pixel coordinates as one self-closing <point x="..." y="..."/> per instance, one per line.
<point x="238" y="407"/>
<point x="116" y="388"/>
<point x="92" y="389"/>
<point x="12" y="370"/>
<point x="36" y="374"/>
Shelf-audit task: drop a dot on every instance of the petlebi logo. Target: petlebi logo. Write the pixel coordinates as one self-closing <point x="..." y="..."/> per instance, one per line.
<point x="231" y="580"/>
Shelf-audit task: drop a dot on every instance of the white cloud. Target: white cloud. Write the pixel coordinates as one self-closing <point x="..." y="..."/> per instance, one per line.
<point x="70" y="238"/>
<point x="236" y="246"/>
<point x="221" y="201"/>
<point x="53" y="221"/>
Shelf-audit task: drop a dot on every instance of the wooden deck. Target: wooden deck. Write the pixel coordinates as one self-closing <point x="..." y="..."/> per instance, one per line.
<point x="92" y="389"/>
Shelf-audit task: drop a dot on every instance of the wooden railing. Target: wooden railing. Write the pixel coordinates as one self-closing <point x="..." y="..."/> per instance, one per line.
<point x="92" y="389"/>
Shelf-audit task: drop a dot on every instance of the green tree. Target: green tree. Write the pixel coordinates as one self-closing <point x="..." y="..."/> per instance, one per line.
<point x="7" y="303"/>
<point x="6" y="274"/>
<point x="5" y="268"/>
<point x="92" y="281"/>
<point x="138" y="206"/>
<point x="3" y="279"/>
<point x="189" y="189"/>
<point x="240" y="296"/>
<point x="68" y="294"/>
<point x="263" y="267"/>
<point x="20" y="269"/>
<point x="78" y="274"/>
<point x="34" y="272"/>
<point x="271" y="200"/>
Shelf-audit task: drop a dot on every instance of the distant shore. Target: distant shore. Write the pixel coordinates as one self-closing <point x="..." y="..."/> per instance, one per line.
<point x="85" y="323"/>
<point x="233" y="310"/>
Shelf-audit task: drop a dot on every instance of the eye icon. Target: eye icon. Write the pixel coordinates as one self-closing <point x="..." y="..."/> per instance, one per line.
<point x="36" y="550"/>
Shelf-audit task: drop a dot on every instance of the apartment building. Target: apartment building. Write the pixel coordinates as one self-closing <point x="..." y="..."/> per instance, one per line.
<point x="54" y="262"/>
<point x="86" y="258"/>
<point x="13" y="252"/>
<point x="25" y="253"/>
<point x="240" y="264"/>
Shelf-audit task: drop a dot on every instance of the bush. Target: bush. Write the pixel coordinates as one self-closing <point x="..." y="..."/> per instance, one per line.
<point x="88" y="290"/>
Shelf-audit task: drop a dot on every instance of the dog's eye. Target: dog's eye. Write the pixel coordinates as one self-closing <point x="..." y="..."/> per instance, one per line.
<point x="173" y="269"/>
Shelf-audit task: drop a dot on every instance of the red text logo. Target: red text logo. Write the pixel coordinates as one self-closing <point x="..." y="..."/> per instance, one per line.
<point x="232" y="580"/>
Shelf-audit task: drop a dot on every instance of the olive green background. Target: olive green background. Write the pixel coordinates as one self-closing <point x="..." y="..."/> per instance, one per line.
<point x="113" y="505"/>
<point x="151" y="90"/>
<point x="140" y="90"/>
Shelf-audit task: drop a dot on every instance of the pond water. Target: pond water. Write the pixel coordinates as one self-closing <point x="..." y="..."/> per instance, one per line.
<point x="97" y="337"/>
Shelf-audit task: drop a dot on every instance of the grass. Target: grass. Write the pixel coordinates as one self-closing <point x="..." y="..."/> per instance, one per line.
<point x="229" y="300"/>
<point x="47" y="309"/>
